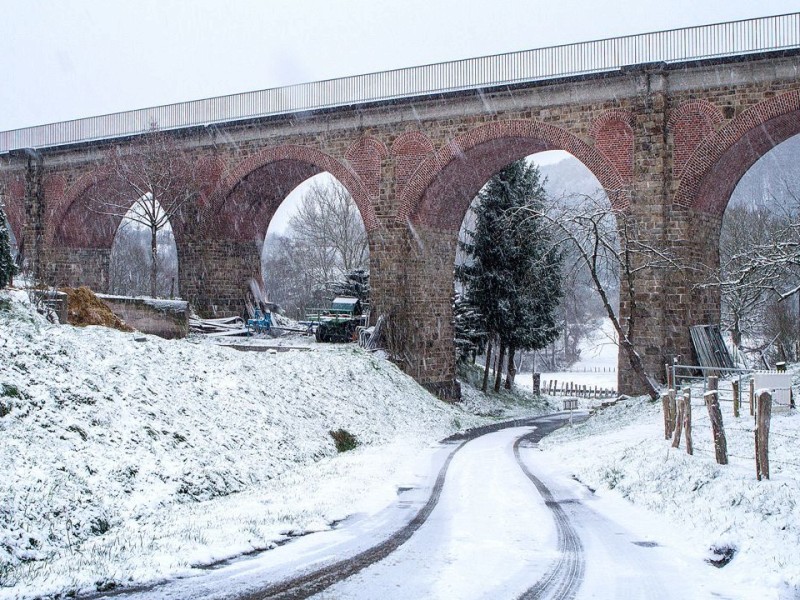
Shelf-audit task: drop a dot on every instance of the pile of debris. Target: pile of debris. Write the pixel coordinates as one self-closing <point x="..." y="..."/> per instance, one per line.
<point x="226" y="326"/>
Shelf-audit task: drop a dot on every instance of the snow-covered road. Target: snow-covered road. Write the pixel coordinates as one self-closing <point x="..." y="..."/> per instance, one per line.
<point x="505" y="528"/>
<point x="490" y="535"/>
<point x="506" y="525"/>
<point x="619" y="560"/>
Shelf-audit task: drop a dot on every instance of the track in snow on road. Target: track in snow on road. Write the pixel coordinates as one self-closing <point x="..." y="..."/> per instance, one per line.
<point x="562" y="580"/>
<point x="316" y="581"/>
<point x="478" y="530"/>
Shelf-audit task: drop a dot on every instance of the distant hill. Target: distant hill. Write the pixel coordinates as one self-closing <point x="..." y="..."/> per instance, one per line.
<point x="569" y="177"/>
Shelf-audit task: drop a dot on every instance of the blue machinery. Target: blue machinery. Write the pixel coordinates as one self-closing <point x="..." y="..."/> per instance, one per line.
<point x="260" y="323"/>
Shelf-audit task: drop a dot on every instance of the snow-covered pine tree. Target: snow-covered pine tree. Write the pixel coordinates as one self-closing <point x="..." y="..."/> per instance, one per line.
<point x="7" y="267"/>
<point x="468" y="328"/>
<point x="514" y="277"/>
<point x="355" y="284"/>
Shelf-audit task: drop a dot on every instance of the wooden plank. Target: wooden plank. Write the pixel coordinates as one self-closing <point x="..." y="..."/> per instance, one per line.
<point x="710" y="347"/>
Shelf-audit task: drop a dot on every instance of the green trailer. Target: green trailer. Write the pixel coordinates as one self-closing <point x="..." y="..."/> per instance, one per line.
<point x="340" y="322"/>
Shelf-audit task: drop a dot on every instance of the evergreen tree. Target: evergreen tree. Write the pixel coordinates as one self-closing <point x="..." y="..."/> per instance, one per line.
<point x="514" y="275"/>
<point x="7" y="267"/>
<point x="355" y="284"/>
<point x="468" y="328"/>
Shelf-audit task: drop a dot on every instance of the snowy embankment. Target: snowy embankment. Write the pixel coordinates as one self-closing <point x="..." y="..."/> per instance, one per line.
<point x="127" y="458"/>
<point x="621" y="453"/>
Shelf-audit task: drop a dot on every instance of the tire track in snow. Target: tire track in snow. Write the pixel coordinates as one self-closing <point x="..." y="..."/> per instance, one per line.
<point x="564" y="578"/>
<point x="308" y="584"/>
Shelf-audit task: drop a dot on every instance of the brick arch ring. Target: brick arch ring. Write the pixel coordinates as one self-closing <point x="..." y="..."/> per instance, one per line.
<point x="733" y="149"/>
<point x="539" y="136"/>
<point x="324" y="162"/>
<point x="71" y="195"/>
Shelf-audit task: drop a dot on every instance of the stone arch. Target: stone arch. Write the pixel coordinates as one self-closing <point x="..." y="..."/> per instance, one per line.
<point x="71" y="224"/>
<point x="691" y="123"/>
<point x="460" y="168"/>
<point x="708" y="180"/>
<point x="613" y="137"/>
<point x="267" y="178"/>
<point x="720" y="161"/>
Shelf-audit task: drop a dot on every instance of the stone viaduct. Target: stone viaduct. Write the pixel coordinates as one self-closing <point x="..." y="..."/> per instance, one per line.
<point x="668" y="142"/>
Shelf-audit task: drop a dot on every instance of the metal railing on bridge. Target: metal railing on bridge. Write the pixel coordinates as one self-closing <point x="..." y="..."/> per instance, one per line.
<point x="674" y="46"/>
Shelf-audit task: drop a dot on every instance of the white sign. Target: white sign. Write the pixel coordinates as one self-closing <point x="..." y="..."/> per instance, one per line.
<point x="779" y="385"/>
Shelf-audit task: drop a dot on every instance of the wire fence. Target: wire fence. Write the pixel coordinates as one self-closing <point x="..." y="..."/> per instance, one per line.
<point x="741" y="431"/>
<point x="736" y="38"/>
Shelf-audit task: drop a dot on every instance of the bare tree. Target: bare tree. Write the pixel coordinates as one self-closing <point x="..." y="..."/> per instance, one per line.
<point x="579" y="311"/>
<point x="772" y="266"/>
<point x="148" y="182"/>
<point x="329" y="221"/>
<point x="325" y="241"/>
<point x="287" y="280"/>
<point x="129" y="269"/>
<point x="759" y="271"/>
<point x="743" y="306"/>
<point x="607" y="241"/>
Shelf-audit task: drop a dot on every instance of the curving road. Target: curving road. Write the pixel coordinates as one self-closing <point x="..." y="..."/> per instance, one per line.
<point x="495" y="521"/>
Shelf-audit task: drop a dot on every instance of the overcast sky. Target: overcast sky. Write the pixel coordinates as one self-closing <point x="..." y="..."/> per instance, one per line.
<point x="65" y="59"/>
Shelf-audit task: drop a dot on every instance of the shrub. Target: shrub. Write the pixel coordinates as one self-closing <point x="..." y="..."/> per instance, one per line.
<point x="344" y="440"/>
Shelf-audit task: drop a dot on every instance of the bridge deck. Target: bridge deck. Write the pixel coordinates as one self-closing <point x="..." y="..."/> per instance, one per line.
<point x="736" y="38"/>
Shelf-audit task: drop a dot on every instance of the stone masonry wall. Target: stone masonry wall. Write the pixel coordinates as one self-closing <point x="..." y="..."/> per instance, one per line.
<point x="215" y="275"/>
<point x="652" y="136"/>
<point x="74" y="267"/>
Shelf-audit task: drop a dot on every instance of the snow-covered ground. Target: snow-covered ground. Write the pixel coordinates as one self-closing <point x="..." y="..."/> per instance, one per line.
<point x="691" y="502"/>
<point x="596" y="367"/>
<point x="129" y="459"/>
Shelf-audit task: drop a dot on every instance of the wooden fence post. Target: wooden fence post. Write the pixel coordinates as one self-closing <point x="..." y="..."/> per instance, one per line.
<point x="676" y="438"/>
<point x="665" y="405"/>
<point x="715" y="414"/>
<point x="537" y="384"/>
<point x="762" y="435"/>
<point x="752" y="397"/>
<point x="673" y="410"/>
<point x="735" y="385"/>
<point x="687" y="419"/>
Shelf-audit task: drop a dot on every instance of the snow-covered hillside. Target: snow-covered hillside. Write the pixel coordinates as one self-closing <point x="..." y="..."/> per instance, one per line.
<point x="693" y="503"/>
<point x="128" y="458"/>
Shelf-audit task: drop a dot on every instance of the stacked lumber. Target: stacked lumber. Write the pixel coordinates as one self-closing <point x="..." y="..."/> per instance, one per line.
<point x="226" y="326"/>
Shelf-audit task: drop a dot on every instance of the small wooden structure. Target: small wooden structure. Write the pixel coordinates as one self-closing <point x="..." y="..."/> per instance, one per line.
<point x="710" y="348"/>
<point x="346" y="306"/>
